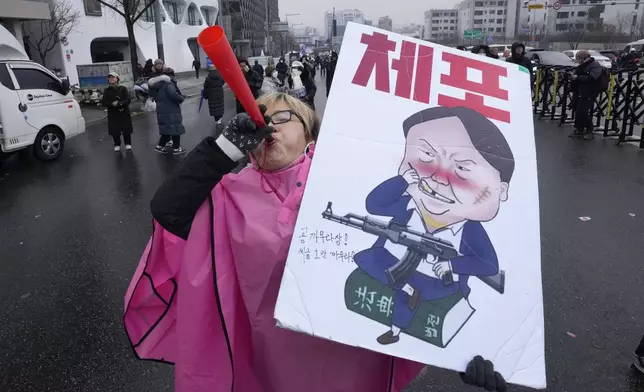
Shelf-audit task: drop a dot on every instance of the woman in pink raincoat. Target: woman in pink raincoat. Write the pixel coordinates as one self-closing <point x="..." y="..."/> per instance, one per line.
<point x="204" y="293"/>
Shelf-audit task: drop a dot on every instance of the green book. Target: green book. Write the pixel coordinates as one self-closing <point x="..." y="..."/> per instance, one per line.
<point x="435" y="322"/>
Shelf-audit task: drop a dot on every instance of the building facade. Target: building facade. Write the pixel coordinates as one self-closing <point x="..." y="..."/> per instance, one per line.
<point x="245" y="23"/>
<point x="617" y="18"/>
<point x="385" y="23"/>
<point x="441" y="24"/>
<point x="14" y="12"/>
<point x="342" y="17"/>
<point x="492" y="18"/>
<point x="101" y="36"/>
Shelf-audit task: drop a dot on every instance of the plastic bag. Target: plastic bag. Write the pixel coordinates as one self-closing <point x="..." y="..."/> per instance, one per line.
<point x="149" y="106"/>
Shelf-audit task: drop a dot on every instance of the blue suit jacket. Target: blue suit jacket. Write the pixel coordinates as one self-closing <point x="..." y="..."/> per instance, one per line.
<point x="478" y="254"/>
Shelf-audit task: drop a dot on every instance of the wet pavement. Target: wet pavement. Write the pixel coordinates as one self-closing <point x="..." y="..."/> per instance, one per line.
<point x="73" y="231"/>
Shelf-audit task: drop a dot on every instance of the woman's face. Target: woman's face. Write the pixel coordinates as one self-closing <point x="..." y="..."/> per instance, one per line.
<point x="289" y="141"/>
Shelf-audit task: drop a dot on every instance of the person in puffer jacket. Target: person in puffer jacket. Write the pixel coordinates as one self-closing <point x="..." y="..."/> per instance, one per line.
<point x="168" y="99"/>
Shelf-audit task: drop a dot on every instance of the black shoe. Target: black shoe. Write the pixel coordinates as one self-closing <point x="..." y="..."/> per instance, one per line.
<point x="588" y="136"/>
<point x="159" y="149"/>
<point x="638" y="362"/>
<point x="575" y="133"/>
<point x="178" y="150"/>
<point x="388" y="338"/>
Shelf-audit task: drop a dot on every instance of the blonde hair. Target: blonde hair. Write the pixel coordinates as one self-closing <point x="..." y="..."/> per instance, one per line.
<point x="311" y="120"/>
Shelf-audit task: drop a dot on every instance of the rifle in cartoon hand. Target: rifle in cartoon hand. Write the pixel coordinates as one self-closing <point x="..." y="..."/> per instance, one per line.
<point x="419" y="246"/>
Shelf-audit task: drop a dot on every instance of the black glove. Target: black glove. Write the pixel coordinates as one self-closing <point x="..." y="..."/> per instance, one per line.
<point x="242" y="135"/>
<point x="481" y="373"/>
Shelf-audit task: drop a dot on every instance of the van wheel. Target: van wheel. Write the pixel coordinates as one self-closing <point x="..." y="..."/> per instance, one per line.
<point x="49" y="144"/>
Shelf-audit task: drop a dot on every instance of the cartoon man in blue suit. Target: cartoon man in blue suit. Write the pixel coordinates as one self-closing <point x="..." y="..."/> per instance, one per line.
<point x="455" y="174"/>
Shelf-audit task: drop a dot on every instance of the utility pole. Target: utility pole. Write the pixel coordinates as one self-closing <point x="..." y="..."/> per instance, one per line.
<point x="266" y="39"/>
<point x="157" y="28"/>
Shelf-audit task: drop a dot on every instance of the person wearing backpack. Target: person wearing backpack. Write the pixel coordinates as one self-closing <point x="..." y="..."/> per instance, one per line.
<point x="587" y="82"/>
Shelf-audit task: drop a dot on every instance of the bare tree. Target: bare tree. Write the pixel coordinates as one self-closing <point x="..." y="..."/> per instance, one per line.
<point x="574" y="34"/>
<point x="46" y="34"/>
<point x="612" y="33"/>
<point x="131" y="11"/>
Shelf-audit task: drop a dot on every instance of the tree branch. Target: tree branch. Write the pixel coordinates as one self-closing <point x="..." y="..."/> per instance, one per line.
<point x="113" y="8"/>
<point x="143" y="11"/>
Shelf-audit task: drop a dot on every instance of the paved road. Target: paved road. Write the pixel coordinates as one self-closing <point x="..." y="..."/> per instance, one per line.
<point x="72" y="233"/>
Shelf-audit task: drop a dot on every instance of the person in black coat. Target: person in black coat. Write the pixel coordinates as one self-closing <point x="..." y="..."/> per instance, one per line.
<point x="518" y="57"/>
<point x="147" y="69"/>
<point x="282" y="69"/>
<point x="586" y="84"/>
<point x="119" y="122"/>
<point x="330" y="70"/>
<point x="196" y="64"/>
<point x="257" y="67"/>
<point x="254" y="81"/>
<point x="214" y="92"/>
<point x="484" y="50"/>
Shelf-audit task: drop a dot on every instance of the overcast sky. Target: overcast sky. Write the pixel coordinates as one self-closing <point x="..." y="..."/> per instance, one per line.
<point x="400" y="11"/>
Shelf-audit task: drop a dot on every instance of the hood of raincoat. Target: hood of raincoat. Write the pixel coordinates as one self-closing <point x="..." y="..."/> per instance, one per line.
<point x="207" y="304"/>
<point x="513" y="50"/>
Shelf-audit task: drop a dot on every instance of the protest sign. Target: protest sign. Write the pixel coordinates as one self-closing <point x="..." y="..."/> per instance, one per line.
<point x="418" y="233"/>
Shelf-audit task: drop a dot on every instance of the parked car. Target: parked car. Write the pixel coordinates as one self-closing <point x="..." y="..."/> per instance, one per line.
<point x="547" y="57"/>
<point x="601" y="59"/>
<point x="613" y="55"/>
<point x="37" y="109"/>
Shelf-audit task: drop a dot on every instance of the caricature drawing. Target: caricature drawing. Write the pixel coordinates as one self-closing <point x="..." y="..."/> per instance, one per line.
<point x="454" y="175"/>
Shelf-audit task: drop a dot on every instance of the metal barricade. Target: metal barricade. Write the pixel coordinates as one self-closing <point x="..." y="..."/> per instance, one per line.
<point x="617" y="112"/>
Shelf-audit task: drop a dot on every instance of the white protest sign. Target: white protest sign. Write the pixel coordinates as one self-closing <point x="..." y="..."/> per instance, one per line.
<point x="418" y="233"/>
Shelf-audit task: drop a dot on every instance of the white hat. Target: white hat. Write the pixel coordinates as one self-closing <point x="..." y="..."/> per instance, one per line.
<point x="295" y="64"/>
<point x="114" y="74"/>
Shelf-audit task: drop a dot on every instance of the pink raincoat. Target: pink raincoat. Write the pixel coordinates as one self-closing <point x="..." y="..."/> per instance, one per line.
<point x="207" y="304"/>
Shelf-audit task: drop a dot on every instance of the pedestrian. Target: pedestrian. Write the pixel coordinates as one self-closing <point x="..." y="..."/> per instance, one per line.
<point x="518" y="57"/>
<point x="494" y="52"/>
<point x="585" y="86"/>
<point x="484" y="50"/>
<point x="282" y="69"/>
<point x="196" y="64"/>
<point x="204" y="294"/>
<point x="301" y="83"/>
<point x="638" y="357"/>
<point x="168" y="99"/>
<point x="257" y="67"/>
<point x="254" y="81"/>
<point x="271" y="82"/>
<point x="116" y="99"/>
<point x="147" y="69"/>
<point x="214" y="92"/>
<point x="330" y="71"/>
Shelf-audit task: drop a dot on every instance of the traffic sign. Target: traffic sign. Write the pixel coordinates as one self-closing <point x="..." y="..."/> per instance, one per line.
<point x="535" y="6"/>
<point x="556" y="6"/>
<point x="472" y="34"/>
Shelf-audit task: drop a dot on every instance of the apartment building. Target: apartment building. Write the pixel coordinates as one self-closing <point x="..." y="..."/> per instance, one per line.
<point x="441" y="24"/>
<point x="493" y="18"/>
<point x="342" y="17"/>
<point x="578" y="13"/>
<point x="385" y="23"/>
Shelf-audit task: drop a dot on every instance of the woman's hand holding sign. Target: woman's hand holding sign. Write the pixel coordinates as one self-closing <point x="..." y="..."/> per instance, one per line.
<point x="481" y="373"/>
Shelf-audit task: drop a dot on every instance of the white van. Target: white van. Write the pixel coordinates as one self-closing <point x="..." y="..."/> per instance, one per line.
<point x="37" y="109"/>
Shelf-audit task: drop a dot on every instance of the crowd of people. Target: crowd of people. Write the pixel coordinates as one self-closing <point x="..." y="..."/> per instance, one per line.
<point x="589" y="79"/>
